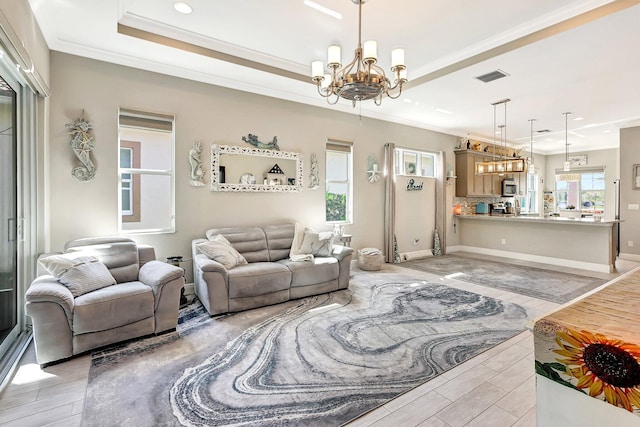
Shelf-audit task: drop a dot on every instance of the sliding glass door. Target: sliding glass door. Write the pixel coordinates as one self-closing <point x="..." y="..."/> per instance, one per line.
<point x="8" y="218"/>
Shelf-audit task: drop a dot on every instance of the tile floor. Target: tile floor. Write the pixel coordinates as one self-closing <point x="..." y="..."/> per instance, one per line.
<point x="495" y="388"/>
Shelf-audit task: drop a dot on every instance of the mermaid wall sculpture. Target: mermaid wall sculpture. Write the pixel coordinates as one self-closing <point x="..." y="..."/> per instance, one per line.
<point x="253" y="140"/>
<point x="196" y="174"/>
<point x="314" y="181"/>
<point x="82" y="145"/>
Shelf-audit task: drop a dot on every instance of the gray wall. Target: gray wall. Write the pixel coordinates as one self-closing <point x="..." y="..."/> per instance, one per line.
<point x="209" y="114"/>
<point x="630" y="227"/>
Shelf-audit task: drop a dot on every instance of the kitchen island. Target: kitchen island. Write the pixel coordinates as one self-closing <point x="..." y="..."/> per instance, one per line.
<point x="582" y="243"/>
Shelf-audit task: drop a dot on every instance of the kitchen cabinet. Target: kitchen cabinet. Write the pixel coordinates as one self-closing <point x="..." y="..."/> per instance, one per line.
<point x="468" y="184"/>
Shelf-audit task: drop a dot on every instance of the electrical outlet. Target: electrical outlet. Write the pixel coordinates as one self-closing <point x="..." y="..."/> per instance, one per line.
<point x="630" y="243"/>
<point x="503" y="241"/>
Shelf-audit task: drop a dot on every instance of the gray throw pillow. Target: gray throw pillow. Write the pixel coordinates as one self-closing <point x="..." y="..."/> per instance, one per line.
<point x="80" y="274"/>
<point x="317" y="244"/>
<point x="219" y="249"/>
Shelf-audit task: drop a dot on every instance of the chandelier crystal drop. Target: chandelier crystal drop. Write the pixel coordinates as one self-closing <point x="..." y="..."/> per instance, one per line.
<point x="361" y="79"/>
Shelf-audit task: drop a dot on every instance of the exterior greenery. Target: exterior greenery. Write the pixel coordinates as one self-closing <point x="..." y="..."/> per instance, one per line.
<point x="336" y="205"/>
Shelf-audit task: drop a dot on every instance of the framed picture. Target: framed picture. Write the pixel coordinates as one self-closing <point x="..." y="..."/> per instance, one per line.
<point x="291" y="181"/>
<point x="223" y="175"/>
<point x="578" y="159"/>
<point x="636" y="177"/>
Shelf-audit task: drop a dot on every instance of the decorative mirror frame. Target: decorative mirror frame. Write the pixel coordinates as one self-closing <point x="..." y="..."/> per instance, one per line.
<point x="216" y="150"/>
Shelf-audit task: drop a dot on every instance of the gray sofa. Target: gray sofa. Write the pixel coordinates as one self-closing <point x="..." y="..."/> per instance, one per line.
<point x="269" y="277"/>
<point x="144" y="301"/>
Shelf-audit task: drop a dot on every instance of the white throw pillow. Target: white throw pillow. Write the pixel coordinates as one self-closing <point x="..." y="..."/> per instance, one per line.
<point x="81" y="274"/>
<point x="219" y="249"/>
<point x="318" y="244"/>
<point x="298" y="236"/>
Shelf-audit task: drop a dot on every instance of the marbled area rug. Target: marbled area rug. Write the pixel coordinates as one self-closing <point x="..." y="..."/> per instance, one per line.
<point x="535" y="282"/>
<point x="318" y="361"/>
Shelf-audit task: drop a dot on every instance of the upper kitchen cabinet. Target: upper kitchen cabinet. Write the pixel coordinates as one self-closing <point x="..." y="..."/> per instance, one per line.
<point x="468" y="184"/>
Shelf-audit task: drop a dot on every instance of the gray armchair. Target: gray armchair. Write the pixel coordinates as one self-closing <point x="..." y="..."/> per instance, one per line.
<point x="144" y="300"/>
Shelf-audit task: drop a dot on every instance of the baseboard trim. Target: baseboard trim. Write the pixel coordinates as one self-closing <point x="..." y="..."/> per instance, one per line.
<point x="601" y="268"/>
<point x="630" y="257"/>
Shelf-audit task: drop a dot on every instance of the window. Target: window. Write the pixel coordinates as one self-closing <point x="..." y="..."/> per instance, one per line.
<point x="338" y="199"/>
<point x="582" y="190"/>
<point x="531" y="202"/>
<point x="146" y="172"/>
<point x="411" y="162"/>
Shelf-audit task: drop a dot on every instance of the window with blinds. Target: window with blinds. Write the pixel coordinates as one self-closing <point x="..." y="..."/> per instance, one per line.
<point x="339" y="188"/>
<point x="146" y="172"/>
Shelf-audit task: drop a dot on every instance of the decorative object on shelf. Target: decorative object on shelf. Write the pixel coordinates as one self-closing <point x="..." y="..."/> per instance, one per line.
<point x="276" y="176"/>
<point x="196" y="174"/>
<point x="82" y="146"/>
<point x="217" y="185"/>
<point x="501" y="163"/>
<point x="361" y="79"/>
<point x="314" y="181"/>
<point x="247" y="179"/>
<point x="437" y="250"/>
<point x="412" y="186"/>
<point x="372" y="169"/>
<point x="253" y="140"/>
<point x="567" y="163"/>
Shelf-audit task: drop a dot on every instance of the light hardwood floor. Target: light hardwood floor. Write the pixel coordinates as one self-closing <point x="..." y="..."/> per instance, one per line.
<point x="495" y="388"/>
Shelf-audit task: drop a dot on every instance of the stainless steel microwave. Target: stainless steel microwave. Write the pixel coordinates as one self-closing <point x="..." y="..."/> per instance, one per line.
<point x="509" y="187"/>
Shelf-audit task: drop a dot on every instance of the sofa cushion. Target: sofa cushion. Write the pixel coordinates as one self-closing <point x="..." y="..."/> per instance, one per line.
<point x="258" y="278"/>
<point x="111" y="307"/>
<point x="219" y="249"/>
<point x="80" y="274"/>
<point x="279" y="240"/>
<point x="317" y="244"/>
<point x="319" y="270"/>
<point x="119" y="254"/>
<point x="249" y="241"/>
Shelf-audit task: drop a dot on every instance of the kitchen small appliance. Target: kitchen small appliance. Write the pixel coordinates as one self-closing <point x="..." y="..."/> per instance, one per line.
<point x="509" y="187"/>
<point x="481" y="208"/>
<point x="497" y="208"/>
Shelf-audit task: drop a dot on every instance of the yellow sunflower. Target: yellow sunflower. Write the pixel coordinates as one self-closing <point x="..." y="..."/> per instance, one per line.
<point x="602" y="365"/>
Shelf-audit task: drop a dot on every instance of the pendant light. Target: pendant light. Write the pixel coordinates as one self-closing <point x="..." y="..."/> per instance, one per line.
<point x="532" y="168"/>
<point x="567" y="164"/>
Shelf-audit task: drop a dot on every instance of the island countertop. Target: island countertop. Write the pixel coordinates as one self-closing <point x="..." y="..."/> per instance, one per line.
<point x="544" y="219"/>
<point x="582" y="243"/>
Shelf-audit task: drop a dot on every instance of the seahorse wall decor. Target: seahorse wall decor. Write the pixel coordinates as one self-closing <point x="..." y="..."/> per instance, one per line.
<point x="82" y="145"/>
<point x="196" y="174"/>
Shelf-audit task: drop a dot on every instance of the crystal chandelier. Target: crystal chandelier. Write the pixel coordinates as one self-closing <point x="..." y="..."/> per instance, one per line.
<point x="361" y="79"/>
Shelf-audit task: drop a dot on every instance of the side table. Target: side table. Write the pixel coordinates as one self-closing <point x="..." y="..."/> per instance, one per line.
<point x="345" y="239"/>
<point x="176" y="260"/>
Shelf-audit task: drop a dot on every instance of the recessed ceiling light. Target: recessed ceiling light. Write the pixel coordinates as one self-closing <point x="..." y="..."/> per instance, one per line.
<point x="578" y="119"/>
<point x="606" y="131"/>
<point x="182" y="7"/>
<point x="323" y="9"/>
<point x="407" y="100"/>
<point x="442" y="110"/>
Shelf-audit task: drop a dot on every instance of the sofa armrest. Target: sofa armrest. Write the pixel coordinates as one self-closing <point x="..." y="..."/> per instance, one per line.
<point x="50" y="306"/>
<point x="46" y="289"/>
<point x="344" y="255"/>
<point x="342" y="252"/>
<point x="166" y="281"/>
<point x="210" y="266"/>
<point x="157" y="273"/>
<point x="211" y="284"/>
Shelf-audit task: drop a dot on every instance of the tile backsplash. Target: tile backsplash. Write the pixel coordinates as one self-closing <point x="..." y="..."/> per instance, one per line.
<point x="468" y="204"/>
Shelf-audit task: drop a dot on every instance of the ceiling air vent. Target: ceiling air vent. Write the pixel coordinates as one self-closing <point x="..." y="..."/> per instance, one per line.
<point x="494" y="75"/>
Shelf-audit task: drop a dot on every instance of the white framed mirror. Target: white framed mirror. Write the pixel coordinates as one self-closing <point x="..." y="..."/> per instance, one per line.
<point x="244" y="169"/>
